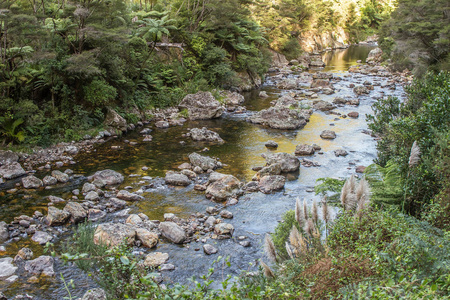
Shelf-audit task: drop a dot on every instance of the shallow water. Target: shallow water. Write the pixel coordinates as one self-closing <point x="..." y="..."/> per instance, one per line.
<point x="255" y="214"/>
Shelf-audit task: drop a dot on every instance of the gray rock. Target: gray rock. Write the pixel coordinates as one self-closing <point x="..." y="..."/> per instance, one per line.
<point x="155" y="259"/>
<point x="328" y="134"/>
<point x="91" y="196"/>
<point x="210" y="222"/>
<point x="49" y="180"/>
<point x="189" y="173"/>
<point x="271" y="183"/>
<point x="360" y="90"/>
<point x="273" y="169"/>
<point x="340" y="152"/>
<point x="116" y="203"/>
<point x="201" y="105"/>
<point x="304" y="150"/>
<point x="148" y="239"/>
<point x="166" y="267"/>
<point x="41" y="237"/>
<point x="6" y="267"/>
<point x="71" y="149"/>
<point x="114" y="121"/>
<point x="54" y="199"/>
<point x="214" y="176"/>
<point x="8" y="157"/>
<point x="76" y="211"/>
<point x="113" y="234"/>
<point x="226" y="214"/>
<point x="263" y="94"/>
<point x="271" y="144"/>
<point x="12" y="170"/>
<point x="245" y="243"/>
<point x="4" y="235"/>
<point x="172" y="232"/>
<point x="96" y="214"/>
<point x="162" y="124"/>
<point x="125" y="195"/>
<point x="316" y="62"/>
<point x="134" y="219"/>
<point x="57" y="216"/>
<point x="280" y="118"/>
<point x="94" y="294"/>
<point x="204" y="134"/>
<point x="323" y="105"/>
<point x="209" y="249"/>
<point x="224" y="188"/>
<point x="31" y="182"/>
<point x="88" y="187"/>
<point x="232" y="99"/>
<point x="41" y="265"/>
<point x="224" y="229"/>
<point x="204" y="162"/>
<point x="321" y="83"/>
<point x="288" y="162"/>
<point x="174" y="178"/>
<point x="109" y="177"/>
<point x="60" y="176"/>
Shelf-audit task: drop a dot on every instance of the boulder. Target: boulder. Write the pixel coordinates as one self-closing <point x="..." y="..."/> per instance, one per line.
<point x="271" y="144"/>
<point x="174" y="178"/>
<point x="8" y="157"/>
<point x="201" y="105"/>
<point x="94" y="294"/>
<point x="204" y="134"/>
<point x="88" y="187"/>
<point x="374" y="56"/>
<point x="54" y="199"/>
<point x="316" y="61"/>
<point x="209" y="249"/>
<point x="24" y="254"/>
<point x="288" y="162"/>
<point x="6" y="267"/>
<point x="304" y="149"/>
<point x="114" y="121"/>
<point x="57" y="216"/>
<point x="114" y="234"/>
<point x="31" y="182"/>
<point x="4" y="235"/>
<point x="328" y="134"/>
<point x="95" y="214"/>
<point x="60" y="176"/>
<point x="226" y="214"/>
<point x="224" y="229"/>
<point x="232" y="99"/>
<point x="155" y="259"/>
<point x="109" y="177"/>
<point x="360" y="90"/>
<point x="222" y="189"/>
<point x="287" y="101"/>
<point x="210" y="221"/>
<point x="76" y="211"/>
<point x="273" y="169"/>
<point x="340" y="152"/>
<point x="204" y="162"/>
<point x="323" y="83"/>
<point x="127" y="196"/>
<point x="172" y="232"/>
<point x="323" y="105"/>
<point x="271" y="183"/>
<point x="148" y="239"/>
<point x="278" y="59"/>
<point x="280" y="118"/>
<point x="288" y="84"/>
<point x="41" y="265"/>
<point x="92" y="196"/>
<point x="353" y="114"/>
<point x="162" y="124"/>
<point x="41" y="237"/>
<point x="12" y="170"/>
<point x="49" y="180"/>
<point x="135" y="220"/>
<point x="214" y="176"/>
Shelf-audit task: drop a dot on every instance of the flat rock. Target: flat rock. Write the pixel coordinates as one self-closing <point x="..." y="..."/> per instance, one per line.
<point x="288" y="162"/>
<point x="12" y="170"/>
<point x="174" y="178"/>
<point x="204" y="162"/>
<point x="172" y="232"/>
<point x="113" y="234"/>
<point x="328" y="134"/>
<point x="109" y="177"/>
<point x="280" y="118"/>
<point x="41" y="237"/>
<point x="156" y="259"/>
<point x="41" y="265"/>
<point x="201" y="105"/>
<point x="304" y="150"/>
<point x="271" y="183"/>
<point x="127" y="196"/>
<point x="6" y="267"/>
<point x="206" y="135"/>
<point x="323" y="105"/>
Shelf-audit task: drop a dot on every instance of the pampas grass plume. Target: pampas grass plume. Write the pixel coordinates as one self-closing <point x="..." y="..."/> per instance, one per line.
<point x="289" y="251"/>
<point x="346" y="190"/>
<point x="314" y="214"/>
<point x="298" y="212"/>
<point x="352" y="182"/>
<point x="363" y="189"/>
<point x="269" y="248"/>
<point x="414" y="157"/>
<point x="305" y="210"/>
<point x="294" y="237"/>
<point x="325" y="211"/>
<point x="267" y="271"/>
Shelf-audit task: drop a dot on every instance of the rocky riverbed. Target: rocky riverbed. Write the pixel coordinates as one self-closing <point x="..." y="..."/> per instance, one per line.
<point x="207" y="178"/>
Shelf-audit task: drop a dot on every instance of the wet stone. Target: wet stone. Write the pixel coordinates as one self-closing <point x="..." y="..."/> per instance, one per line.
<point x="41" y="237"/>
<point x="328" y="134"/>
<point x="340" y="152"/>
<point x="6" y="267"/>
<point x="209" y="249"/>
<point x="244" y="243"/>
<point x="166" y="267"/>
<point x="41" y="265"/>
<point x="156" y="259"/>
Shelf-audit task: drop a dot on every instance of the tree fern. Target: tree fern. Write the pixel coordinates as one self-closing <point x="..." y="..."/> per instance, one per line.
<point x="386" y="182"/>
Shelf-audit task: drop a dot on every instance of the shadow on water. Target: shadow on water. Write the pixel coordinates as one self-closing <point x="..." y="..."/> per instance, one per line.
<point x="254" y="215"/>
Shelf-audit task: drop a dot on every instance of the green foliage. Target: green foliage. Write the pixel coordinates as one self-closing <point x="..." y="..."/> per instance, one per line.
<point x="281" y="233"/>
<point x="327" y="185"/>
<point x="9" y="130"/>
<point x="99" y="93"/>
<point x="291" y="49"/>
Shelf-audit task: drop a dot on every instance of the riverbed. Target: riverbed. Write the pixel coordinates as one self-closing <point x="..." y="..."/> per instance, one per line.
<point x="254" y="215"/>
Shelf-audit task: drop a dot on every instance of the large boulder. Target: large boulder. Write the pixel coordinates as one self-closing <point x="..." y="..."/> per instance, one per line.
<point x="270" y="183"/>
<point x="204" y="162"/>
<point x="174" y="178"/>
<point x="41" y="265"/>
<point x="278" y="59"/>
<point x="204" y="134"/>
<point x="31" y="182"/>
<point x="6" y="267"/>
<point x="148" y="238"/>
<point x="172" y="232"/>
<point x="224" y="229"/>
<point x="12" y="170"/>
<point x="201" y="106"/>
<point x="279" y="118"/>
<point x="375" y="55"/>
<point x="76" y="211"/>
<point x="273" y="169"/>
<point x="4" y="235"/>
<point x="231" y="99"/>
<point x="304" y="149"/>
<point x="114" y="234"/>
<point x="287" y="101"/>
<point x="115" y="121"/>
<point x="57" y="216"/>
<point x="109" y="177"/>
<point x="288" y="162"/>
<point x="222" y="189"/>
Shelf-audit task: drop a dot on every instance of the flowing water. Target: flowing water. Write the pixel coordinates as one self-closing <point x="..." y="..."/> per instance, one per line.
<point x="254" y="215"/>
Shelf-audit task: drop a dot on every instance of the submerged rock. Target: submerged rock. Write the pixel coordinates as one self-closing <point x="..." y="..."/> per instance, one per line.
<point x="204" y="134"/>
<point x="201" y="105"/>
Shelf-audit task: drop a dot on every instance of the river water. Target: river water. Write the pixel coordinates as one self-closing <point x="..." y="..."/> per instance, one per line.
<point x="254" y="215"/>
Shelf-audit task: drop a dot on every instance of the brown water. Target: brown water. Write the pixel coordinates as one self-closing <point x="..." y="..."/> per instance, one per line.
<point x="254" y="215"/>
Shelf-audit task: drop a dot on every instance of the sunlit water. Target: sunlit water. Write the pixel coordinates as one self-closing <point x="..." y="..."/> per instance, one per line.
<point x="254" y="215"/>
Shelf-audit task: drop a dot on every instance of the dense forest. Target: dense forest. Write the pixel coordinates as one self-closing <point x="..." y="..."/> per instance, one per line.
<point x="68" y="60"/>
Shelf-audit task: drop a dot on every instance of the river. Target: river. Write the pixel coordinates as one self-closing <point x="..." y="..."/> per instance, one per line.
<point x="254" y="215"/>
